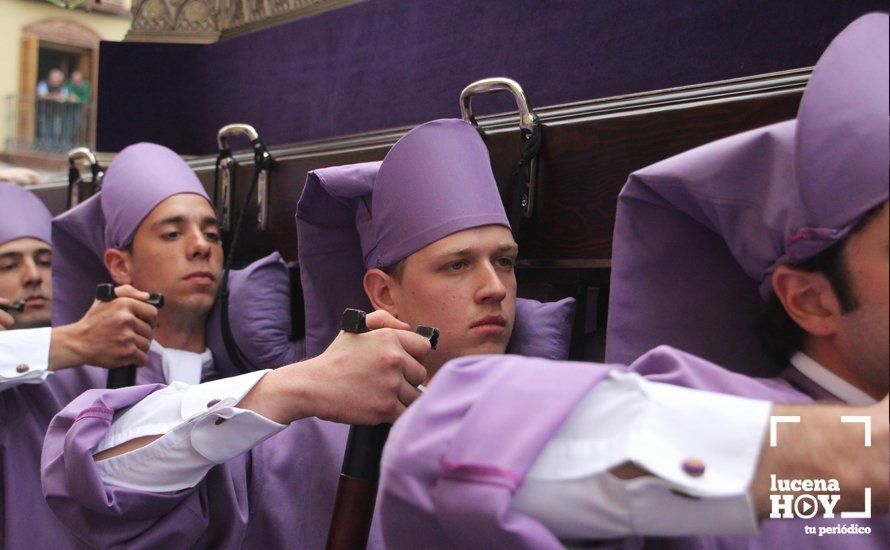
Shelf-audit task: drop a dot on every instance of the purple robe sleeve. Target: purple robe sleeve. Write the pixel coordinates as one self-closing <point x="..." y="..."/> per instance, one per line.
<point x="449" y="472"/>
<point x="107" y="516"/>
<point x="455" y="459"/>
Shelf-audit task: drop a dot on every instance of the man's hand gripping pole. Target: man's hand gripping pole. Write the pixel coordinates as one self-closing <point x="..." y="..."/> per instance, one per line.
<point x="357" y="491"/>
<point x="124" y="376"/>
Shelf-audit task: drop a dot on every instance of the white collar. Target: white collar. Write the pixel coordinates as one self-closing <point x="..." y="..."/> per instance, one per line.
<point x="839" y="387"/>
<point x="180" y="365"/>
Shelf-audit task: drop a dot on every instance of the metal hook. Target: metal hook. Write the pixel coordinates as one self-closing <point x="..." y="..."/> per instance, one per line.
<point x="75" y="179"/>
<point x="226" y="169"/>
<point x="236" y="129"/>
<point x="528" y="123"/>
<point x="528" y="120"/>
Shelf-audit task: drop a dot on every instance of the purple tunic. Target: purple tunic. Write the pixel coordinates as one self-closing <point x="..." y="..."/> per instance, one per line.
<point x="25" y="413"/>
<point x="25" y="410"/>
<point x="454" y="460"/>
<point x="253" y="501"/>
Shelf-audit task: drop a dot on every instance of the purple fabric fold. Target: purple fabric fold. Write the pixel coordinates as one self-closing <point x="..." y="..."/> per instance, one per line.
<point x="698" y="236"/>
<point x="25" y="413"/>
<point x="455" y="459"/>
<point x="260" y="318"/>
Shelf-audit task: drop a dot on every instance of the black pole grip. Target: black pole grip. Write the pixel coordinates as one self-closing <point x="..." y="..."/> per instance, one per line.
<point x="123" y="377"/>
<point x="357" y="490"/>
<point x="18" y="306"/>
<point x="364" y="448"/>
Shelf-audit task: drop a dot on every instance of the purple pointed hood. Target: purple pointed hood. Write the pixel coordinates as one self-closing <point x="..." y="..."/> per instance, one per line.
<point x="699" y="235"/>
<point x="138" y="179"/>
<point x="435" y="181"/>
<point x="22" y="215"/>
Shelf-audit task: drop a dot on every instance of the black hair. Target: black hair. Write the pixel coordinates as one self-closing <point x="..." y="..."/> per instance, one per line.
<point x="778" y="332"/>
<point x="395" y="270"/>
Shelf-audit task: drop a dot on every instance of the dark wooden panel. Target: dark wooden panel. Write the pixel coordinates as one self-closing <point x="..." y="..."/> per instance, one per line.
<point x="583" y="167"/>
<point x="584" y="162"/>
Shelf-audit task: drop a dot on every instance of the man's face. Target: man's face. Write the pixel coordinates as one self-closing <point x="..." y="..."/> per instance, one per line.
<point x="25" y="275"/>
<point x="56" y="77"/>
<point x="177" y="251"/>
<point x="863" y="336"/>
<point x="465" y="285"/>
<point x="76" y="78"/>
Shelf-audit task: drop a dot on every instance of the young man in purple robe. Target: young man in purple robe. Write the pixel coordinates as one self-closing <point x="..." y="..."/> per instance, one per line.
<point x="25" y="279"/>
<point x="506" y="453"/>
<point x="39" y="365"/>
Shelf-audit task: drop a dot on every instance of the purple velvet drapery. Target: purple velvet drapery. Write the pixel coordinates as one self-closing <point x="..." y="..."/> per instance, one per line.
<point x="387" y="63"/>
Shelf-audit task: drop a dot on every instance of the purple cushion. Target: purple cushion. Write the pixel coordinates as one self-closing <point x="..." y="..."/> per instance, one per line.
<point x="259" y="316"/>
<point x="543" y="329"/>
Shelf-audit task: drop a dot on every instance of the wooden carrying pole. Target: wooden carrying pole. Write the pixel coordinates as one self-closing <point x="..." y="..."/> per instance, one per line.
<point x="357" y="490"/>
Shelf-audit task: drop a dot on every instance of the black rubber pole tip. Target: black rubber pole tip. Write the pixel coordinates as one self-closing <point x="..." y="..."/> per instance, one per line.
<point x="353" y="320"/>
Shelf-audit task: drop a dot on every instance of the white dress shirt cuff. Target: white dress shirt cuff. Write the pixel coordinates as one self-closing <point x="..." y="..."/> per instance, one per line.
<point x="201" y="428"/>
<point x="701" y="449"/>
<point x="24" y="356"/>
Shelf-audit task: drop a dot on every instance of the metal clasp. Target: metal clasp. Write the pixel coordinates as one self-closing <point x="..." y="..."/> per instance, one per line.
<point x="528" y="120"/>
<point x="76" y="182"/>
<point x="529" y="123"/>
<point x="226" y="165"/>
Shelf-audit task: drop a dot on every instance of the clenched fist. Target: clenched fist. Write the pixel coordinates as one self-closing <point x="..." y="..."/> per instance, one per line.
<point x="110" y="335"/>
<point x="363" y="379"/>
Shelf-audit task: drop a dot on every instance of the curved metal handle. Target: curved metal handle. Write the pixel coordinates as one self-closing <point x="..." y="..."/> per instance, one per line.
<point x="226" y="166"/>
<point x="81" y="153"/>
<point x="236" y="129"/>
<point x="75" y="180"/>
<point x="527" y="117"/>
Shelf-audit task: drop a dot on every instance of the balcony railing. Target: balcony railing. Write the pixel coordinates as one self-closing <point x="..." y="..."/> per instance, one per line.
<point x="47" y="126"/>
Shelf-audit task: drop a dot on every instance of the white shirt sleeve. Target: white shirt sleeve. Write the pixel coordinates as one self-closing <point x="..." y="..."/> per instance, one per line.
<point x="701" y="449"/>
<point x="24" y="356"/>
<point x="201" y="428"/>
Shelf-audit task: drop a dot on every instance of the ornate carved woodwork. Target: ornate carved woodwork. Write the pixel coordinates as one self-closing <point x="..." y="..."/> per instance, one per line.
<point x="206" y="21"/>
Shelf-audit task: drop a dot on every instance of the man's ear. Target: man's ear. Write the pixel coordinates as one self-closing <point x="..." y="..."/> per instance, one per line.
<point x="117" y="262"/>
<point x="808" y="298"/>
<point x="379" y="288"/>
